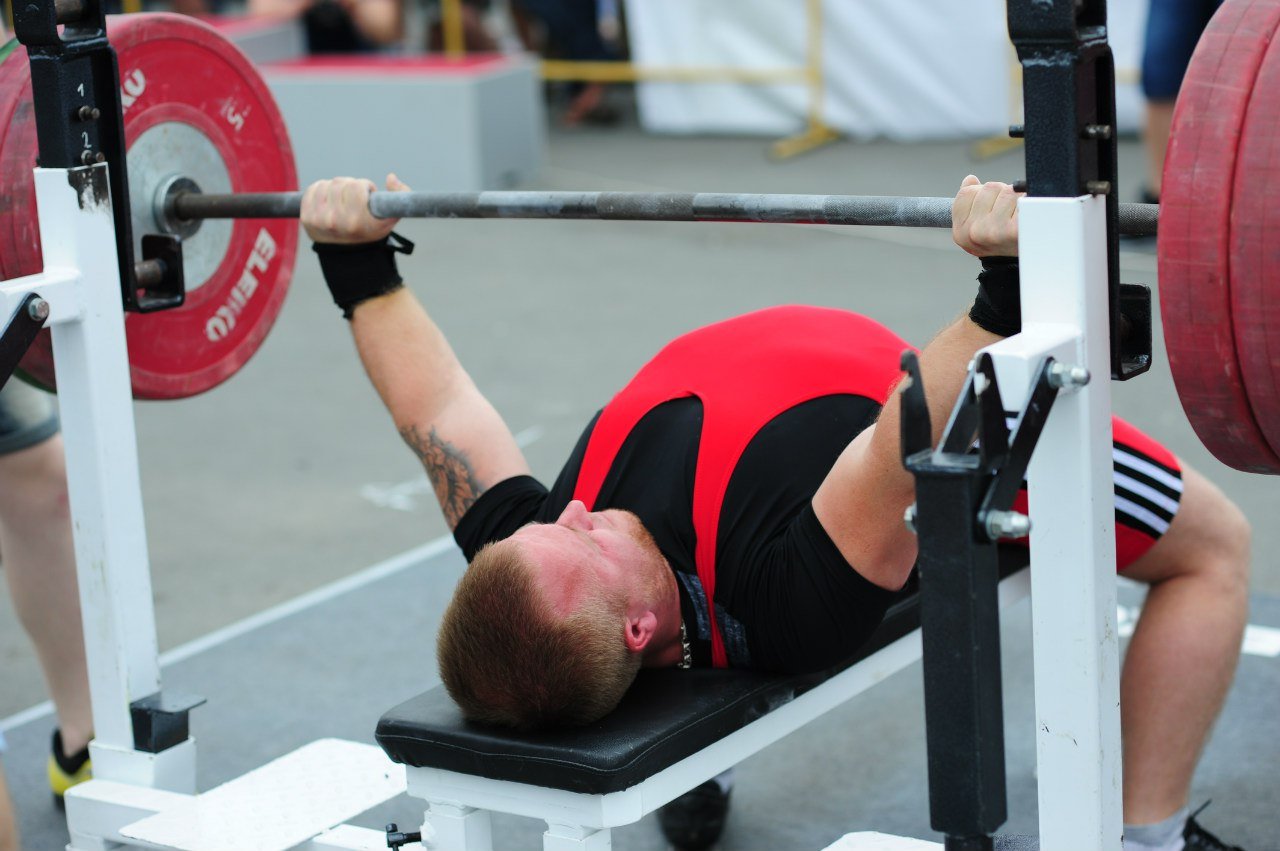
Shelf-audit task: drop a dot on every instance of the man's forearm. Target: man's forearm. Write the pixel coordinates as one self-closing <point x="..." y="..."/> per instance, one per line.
<point x="408" y="359"/>
<point x="461" y="441"/>
<point x="944" y="368"/>
<point x="463" y="444"/>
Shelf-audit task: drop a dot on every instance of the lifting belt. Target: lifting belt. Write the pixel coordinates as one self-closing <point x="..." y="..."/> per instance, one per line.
<point x="745" y="371"/>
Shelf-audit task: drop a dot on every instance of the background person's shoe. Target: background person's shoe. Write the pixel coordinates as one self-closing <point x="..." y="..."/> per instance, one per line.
<point x="1199" y="839"/>
<point x="695" y="820"/>
<point x="67" y="771"/>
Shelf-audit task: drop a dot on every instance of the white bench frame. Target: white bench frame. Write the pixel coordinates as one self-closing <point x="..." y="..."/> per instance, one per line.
<point x="459" y="804"/>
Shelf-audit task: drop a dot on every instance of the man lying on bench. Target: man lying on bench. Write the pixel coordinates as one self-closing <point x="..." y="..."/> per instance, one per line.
<point x="739" y="503"/>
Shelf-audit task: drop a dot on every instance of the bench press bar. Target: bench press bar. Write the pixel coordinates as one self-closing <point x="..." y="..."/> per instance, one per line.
<point x="868" y="210"/>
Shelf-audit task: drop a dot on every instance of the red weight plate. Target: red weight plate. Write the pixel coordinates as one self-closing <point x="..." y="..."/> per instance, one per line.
<point x="13" y="193"/>
<point x="1255" y="248"/>
<point x="1195" y="233"/>
<point x="194" y="106"/>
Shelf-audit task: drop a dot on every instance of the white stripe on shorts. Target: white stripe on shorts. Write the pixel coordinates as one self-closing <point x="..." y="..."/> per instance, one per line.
<point x="1145" y="515"/>
<point x="1142" y="465"/>
<point x="1145" y="491"/>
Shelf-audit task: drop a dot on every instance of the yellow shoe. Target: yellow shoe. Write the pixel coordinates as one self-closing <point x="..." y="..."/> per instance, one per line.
<point x="67" y="771"/>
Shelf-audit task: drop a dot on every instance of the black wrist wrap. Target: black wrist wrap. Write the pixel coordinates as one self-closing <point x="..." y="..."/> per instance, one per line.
<point x="357" y="273"/>
<point x="998" y="306"/>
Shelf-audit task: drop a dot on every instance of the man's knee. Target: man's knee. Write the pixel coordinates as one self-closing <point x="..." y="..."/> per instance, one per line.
<point x="1210" y="537"/>
<point x="1236" y="545"/>
<point x="1222" y="545"/>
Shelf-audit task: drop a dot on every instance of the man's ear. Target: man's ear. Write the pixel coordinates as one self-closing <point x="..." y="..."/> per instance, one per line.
<point x="639" y="631"/>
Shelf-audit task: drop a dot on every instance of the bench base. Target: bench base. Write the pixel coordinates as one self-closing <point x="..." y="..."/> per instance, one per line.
<point x="285" y="804"/>
<point x="459" y="804"/>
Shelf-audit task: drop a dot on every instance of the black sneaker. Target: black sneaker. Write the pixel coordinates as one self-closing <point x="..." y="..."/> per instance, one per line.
<point x="695" y="820"/>
<point x="1199" y="839"/>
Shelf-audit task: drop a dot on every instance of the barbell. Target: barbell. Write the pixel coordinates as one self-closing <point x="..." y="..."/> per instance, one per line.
<point x="209" y="160"/>
<point x="184" y="204"/>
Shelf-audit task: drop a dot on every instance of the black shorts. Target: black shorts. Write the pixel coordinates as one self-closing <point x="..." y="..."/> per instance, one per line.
<point x="27" y="416"/>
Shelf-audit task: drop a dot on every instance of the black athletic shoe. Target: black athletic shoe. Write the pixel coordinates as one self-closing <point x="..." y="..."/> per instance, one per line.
<point x="695" y="820"/>
<point x="67" y="771"/>
<point x="1199" y="839"/>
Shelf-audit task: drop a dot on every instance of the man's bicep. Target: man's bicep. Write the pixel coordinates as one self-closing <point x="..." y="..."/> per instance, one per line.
<point x="465" y="450"/>
<point x="860" y="505"/>
<point x="813" y="610"/>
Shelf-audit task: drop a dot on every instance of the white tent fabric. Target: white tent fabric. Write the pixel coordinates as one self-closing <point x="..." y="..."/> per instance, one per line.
<point x="903" y="69"/>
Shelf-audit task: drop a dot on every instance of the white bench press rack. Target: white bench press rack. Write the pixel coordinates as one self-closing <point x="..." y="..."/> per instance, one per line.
<point x="676" y="728"/>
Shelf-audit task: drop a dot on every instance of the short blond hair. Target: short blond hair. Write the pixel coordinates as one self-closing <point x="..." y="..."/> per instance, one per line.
<point x="507" y="659"/>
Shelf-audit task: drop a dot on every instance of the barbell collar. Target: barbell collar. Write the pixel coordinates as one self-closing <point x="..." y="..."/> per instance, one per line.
<point x="68" y="11"/>
<point x="863" y="210"/>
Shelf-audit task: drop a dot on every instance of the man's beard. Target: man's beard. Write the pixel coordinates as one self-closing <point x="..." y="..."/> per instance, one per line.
<point x="657" y="576"/>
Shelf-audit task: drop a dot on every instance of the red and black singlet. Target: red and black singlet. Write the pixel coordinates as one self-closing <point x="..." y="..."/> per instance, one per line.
<point x="718" y="445"/>
<point x="745" y="371"/>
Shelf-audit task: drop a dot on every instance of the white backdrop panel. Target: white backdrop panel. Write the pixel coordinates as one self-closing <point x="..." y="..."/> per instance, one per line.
<point x="904" y="69"/>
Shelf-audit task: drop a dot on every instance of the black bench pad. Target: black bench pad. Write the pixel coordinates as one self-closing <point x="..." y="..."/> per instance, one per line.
<point x="667" y="715"/>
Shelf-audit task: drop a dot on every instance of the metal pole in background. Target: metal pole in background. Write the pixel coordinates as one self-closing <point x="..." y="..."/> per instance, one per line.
<point x="817" y="132"/>
<point x="454" y="33"/>
<point x="629" y="72"/>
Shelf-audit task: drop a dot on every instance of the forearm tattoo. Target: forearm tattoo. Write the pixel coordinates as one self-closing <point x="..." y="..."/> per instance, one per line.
<point x="449" y="469"/>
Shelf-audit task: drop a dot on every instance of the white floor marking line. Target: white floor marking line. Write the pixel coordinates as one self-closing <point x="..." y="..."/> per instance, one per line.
<point x="1262" y="641"/>
<point x="530" y="436"/>
<point x="402" y="496"/>
<point x="405" y="496"/>
<point x="324" y="593"/>
<point x="1258" y="640"/>
<point x="40" y="710"/>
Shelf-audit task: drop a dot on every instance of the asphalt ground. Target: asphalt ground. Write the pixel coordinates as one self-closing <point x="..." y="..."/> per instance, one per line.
<point x="290" y="476"/>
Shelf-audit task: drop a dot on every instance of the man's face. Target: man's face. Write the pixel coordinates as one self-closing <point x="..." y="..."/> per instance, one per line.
<point x="585" y="551"/>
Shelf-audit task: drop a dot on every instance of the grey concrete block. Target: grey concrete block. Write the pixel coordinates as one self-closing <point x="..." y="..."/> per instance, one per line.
<point x="451" y="127"/>
<point x="263" y="39"/>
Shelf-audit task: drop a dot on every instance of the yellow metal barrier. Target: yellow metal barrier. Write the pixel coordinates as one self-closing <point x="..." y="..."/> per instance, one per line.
<point x="455" y="39"/>
<point x="816" y="133"/>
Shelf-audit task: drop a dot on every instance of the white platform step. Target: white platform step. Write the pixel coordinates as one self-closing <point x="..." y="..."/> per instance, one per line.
<point x="280" y="805"/>
<point x="880" y="842"/>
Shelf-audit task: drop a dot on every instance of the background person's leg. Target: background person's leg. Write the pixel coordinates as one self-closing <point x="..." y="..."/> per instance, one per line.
<point x="1173" y="29"/>
<point x="39" y="561"/>
<point x="1183" y="654"/>
<point x="573" y="28"/>
<point x="8" y="823"/>
<point x="1155" y="138"/>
